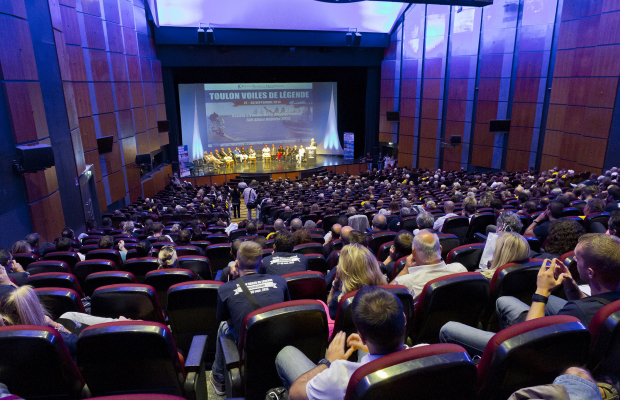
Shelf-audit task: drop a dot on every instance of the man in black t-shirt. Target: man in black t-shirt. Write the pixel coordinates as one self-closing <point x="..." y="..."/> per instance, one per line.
<point x="233" y="305"/>
<point x="283" y="260"/>
<point x="540" y="226"/>
<point x="598" y="261"/>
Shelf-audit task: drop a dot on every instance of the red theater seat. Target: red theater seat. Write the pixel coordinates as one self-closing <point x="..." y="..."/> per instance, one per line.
<point x="438" y="371"/>
<point x="469" y="255"/>
<point x="384" y="251"/>
<point x="309" y="248"/>
<point x="85" y="268"/>
<point x="459" y="297"/>
<point x="145" y="360"/>
<point x="308" y="285"/>
<point x="199" y="265"/>
<point x="266" y="331"/>
<point x="42" y="267"/>
<point x="35" y="363"/>
<point x="106" y="254"/>
<point x="58" y="301"/>
<point x="219" y="255"/>
<point x="191" y="311"/>
<point x="55" y="279"/>
<point x="141" y="266"/>
<point x="162" y="279"/>
<point x="25" y="259"/>
<point x="316" y="262"/>
<point x="187" y="250"/>
<point x="105" y="278"/>
<point x="531" y="353"/>
<point x="457" y="226"/>
<point x="70" y="257"/>
<point x="377" y="239"/>
<point x="135" y="301"/>
<point x="605" y="348"/>
<point x="478" y="224"/>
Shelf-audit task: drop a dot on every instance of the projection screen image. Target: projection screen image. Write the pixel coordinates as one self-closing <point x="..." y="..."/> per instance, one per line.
<point x="243" y="114"/>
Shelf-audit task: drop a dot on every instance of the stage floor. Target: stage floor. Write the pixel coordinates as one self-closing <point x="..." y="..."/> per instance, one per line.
<point x="276" y="166"/>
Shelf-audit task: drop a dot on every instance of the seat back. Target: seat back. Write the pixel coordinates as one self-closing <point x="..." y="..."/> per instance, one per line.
<point x="35" y="363"/>
<point x="329" y="221"/>
<point x="602" y="218"/>
<point x="45" y="266"/>
<point x="219" y="255"/>
<point x="308" y="285"/>
<point x="55" y="279"/>
<point x="416" y="374"/>
<point x="531" y="353"/>
<point x="105" y="278"/>
<point x="192" y="310"/>
<point x="317" y="238"/>
<point x="25" y="259"/>
<point x="377" y="239"/>
<point x="478" y="224"/>
<point x="398" y="266"/>
<point x="85" y="268"/>
<point x="309" y="248"/>
<point x="70" y="257"/>
<point x="469" y="255"/>
<point x="459" y="297"/>
<point x="384" y="251"/>
<point x="236" y="234"/>
<point x="106" y="254"/>
<point x="457" y="226"/>
<point x="217" y="239"/>
<point x="58" y="301"/>
<point x="187" y="250"/>
<point x="447" y="241"/>
<point x="516" y="279"/>
<point x="316" y="262"/>
<point x="162" y="279"/>
<point x="199" y="265"/>
<point x="135" y="301"/>
<point x="139" y="267"/>
<point x="605" y="348"/>
<point x="534" y="243"/>
<point x="266" y="331"/>
<point x="143" y="354"/>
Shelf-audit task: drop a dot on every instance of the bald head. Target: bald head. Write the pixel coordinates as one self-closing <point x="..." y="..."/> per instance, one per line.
<point x="379" y="222"/>
<point x="344" y="234"/>
<point x="448" y="207"/>
<point x="336" y="228"/>
<point x="426" y="249"/>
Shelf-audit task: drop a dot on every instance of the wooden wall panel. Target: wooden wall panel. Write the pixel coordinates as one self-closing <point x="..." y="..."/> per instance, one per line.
<point x="47" y="217"/>
<point x="116" y="183"/>
<point x="159" y="181"/>
<point x="40" y="184"/>
<point x="17" y="60"/>
<point x="27" y="112"/>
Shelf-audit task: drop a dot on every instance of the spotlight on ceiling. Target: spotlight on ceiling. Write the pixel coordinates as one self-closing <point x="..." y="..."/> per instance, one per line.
<point x="205" y="36"/>
<point x="353" y="37"/>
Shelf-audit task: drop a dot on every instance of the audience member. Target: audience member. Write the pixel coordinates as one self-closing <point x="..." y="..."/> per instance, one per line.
<point x="283" y="260"/>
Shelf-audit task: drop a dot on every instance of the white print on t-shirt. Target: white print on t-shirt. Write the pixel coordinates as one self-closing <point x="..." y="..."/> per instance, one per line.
<point x="258" y="286"/>
<point x="285" y="260"/>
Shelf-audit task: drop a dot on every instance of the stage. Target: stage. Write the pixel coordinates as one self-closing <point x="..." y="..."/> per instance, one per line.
<point x="264" y="171"/>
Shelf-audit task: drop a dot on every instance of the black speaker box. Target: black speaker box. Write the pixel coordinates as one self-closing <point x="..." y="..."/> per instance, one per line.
<point x="163" y="126"/>
<point x="35" y="158"/>
<point x="455" y="139"/>
<point x="392" y="116"/>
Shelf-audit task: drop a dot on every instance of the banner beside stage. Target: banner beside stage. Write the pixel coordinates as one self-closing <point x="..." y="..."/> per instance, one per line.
<point x="239" y="115"/>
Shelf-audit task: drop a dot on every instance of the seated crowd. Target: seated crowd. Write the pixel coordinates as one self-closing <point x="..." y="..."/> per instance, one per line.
<point x="367" y="236"/>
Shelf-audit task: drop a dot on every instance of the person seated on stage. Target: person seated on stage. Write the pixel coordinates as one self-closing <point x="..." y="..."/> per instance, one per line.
<point x="228" y="159"/>
<point x="274" y="152"/>
<point x="206" y="157"/>
<point x="237" y="154"/>
<point x="280" y="152"/>
<point x="218" y="155"/>
<point x="211" y="158"/>
<point x="231" y="154"/>
<point x="312" y="143"/>
<point x="266" y="153"/>
<point x="294" y="153"/>
<point x="301" y="153"/>
<point x="243" y="155"/>
<point x="251" y="153"/>
<point x="287" y="153"/>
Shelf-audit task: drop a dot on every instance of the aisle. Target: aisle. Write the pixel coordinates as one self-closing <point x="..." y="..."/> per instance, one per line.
<point x="244" y="213"/>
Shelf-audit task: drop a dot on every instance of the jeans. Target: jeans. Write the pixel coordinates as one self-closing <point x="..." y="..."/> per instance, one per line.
<point x="510" y="311"/>
<point x="578" y="388"/>
<point x="236" y="210"/>
<point x="250" y="212"/>
<point x="219" y="364"/>
<point x="369" y="166"/>
<point x="291" y="364"/>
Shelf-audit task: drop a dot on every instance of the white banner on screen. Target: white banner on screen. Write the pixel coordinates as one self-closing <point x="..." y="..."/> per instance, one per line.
<point x="243" y="114"/>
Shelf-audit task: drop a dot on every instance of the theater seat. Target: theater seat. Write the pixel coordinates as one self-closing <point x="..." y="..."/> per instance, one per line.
<point x="187" y="250"/>
<point x="106" y="254"/>
<point x="218" y="239"/>
<point x="145" y="396"/>
<point x="145" y="360"/>
<point x="605" y="347"/>
<point x="398" y="266"/>
<point x="219" y="255"/>
<point x="377" y="239"/>
<point x="316" y="262"/>
<point x="236" y="234"/>
<point x="199" y="265"/>
<point x="45" y="266"/>
<point x="457" y="226"/>
<point x="447" y="241"/>
<point x="438" y="371"/>
<point x="308" y="285"/>
<point x="141" y="266"/>
<point x="531" y="353"/>
<point x="478" y="224"/>
<point x="58" y="301"/>
<point x="135" y="301"/>
<point x="35" y="363"/>
<point x="459" y="297"/>
<point x="516" y="279"/>
<point x="344" y="320"/>
<point x="25" y="259"/>
<point x="105" y="278"/>
<point x="162" y="279"/>
<point x="191" y="311"/>
<point x="85" y="268"/>
<point x="469" y="255"/>
<point x="266" y="331"/>
<point x="55" y="279"/>
<point x="309" y="248"/>
<point x="70" y="257"/>
<point x="384" y="251"/>
<point x="602" y="218"/>
<point x="409" y="224"/>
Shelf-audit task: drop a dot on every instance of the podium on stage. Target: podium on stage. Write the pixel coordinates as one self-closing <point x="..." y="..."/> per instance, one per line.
<point x="311" y="149"/>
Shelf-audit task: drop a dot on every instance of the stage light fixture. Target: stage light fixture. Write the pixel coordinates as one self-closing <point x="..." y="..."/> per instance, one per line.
<point x="205" y="36"/>
<point x="357" y="39"/>
<point x="353" y="37"/>
<point x="201" y="36"/>
<point x="349" y="39"/>
<point x="210" y="38"/>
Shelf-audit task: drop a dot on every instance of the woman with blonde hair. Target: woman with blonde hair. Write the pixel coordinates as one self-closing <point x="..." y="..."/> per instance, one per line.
<point x="167" y="257"/>
<point x="357" y="267"/>
<point x="510" y="247"/>
<point x="22" y="307"/>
